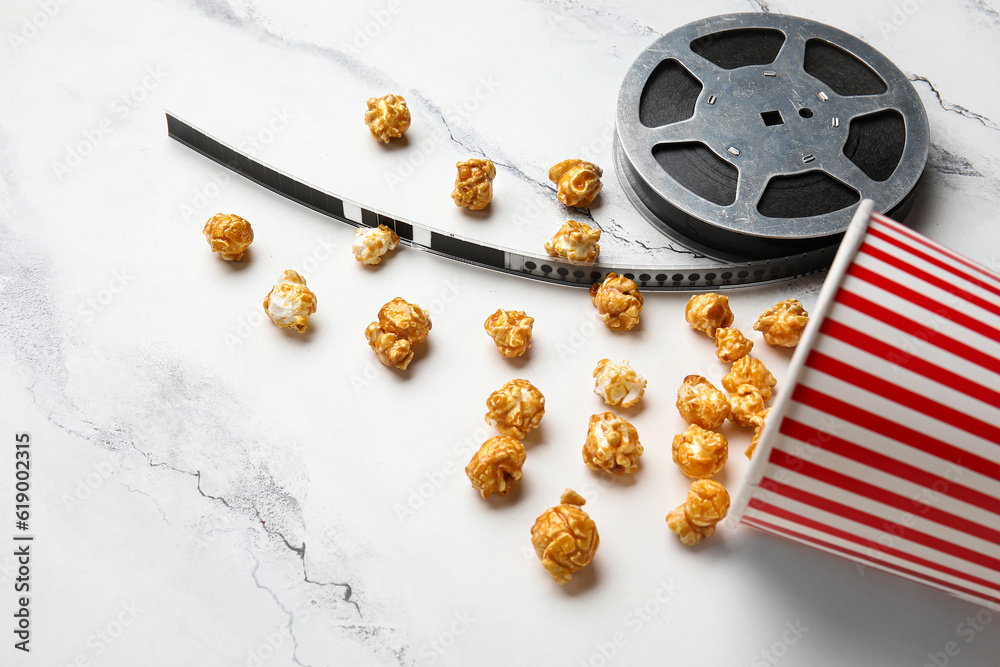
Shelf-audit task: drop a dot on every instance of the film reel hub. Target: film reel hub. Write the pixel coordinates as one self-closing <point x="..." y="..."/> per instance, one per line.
<point x="751" y="136"/>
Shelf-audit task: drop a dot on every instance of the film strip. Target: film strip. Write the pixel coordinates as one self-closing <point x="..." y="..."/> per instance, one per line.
<point x="495" y="258"/>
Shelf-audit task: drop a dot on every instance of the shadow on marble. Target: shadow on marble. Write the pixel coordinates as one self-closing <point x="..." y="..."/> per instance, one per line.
<point x="519" y="362"/>
<point x="629" y="413"/>
<point x="535" y="437"/>
<point x="618" y="480"/>
<point x="499" y="503"/>
<point x="396" y="144"/>
<point x="878" y="611"/>
<point x="583" y="581"/>
<point x="243" y="263"/>
<point x="484" y="214"/>
<point x="305" y="336"/>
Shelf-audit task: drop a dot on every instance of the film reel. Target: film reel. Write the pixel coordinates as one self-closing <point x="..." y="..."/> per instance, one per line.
<point x="752" y="136"/>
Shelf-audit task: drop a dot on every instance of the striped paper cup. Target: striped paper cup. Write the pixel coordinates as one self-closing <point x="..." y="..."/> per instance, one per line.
<point x="884" y="445"/>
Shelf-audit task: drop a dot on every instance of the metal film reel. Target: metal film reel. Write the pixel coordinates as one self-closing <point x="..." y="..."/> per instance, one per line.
<point x="752" y="136"/>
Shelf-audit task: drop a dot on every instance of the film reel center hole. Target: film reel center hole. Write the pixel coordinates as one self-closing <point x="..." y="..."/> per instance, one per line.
<point x="773" y="118"/>
<point x="806" y="113"/>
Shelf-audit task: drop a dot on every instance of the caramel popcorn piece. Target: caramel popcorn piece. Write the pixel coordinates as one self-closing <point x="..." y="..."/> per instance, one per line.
<point x="699" y="452"/>
<point x="510" y="331"/>
<point x="783" y="323"/>
<point x="290" y="303"/>
<point x="706" y="505"/>
<point x="708" y="312"/>
<point x="515" y="408"/>
<point x="373" y="242"/>
<point x="618" y="302"/>
<point x="577" y="182"/>
<point x="758" y="421"/>
<point x="745" y="404"/>
<point x="575" y="241"/>
<point x="400" y="326"/>
<point x="474" y="184"/>
<point x="618" y="384"/>
<point x="387" y="117"/>
<point x="731" y="344"/>
<point x="690" y="534"/>
<point x="565" y="537"/>
<point x="228" y="235"/>
<point x="748" y="370"/>
<point x="496" y="467"/>
<point x="612" y="445"/>
<point x="699" y="402"/>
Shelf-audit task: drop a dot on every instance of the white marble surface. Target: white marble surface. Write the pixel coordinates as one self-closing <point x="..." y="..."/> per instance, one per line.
<point x="211" y="491"/>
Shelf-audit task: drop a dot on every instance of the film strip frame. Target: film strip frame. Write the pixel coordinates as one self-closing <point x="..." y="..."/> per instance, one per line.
<point x="494" y="258"/>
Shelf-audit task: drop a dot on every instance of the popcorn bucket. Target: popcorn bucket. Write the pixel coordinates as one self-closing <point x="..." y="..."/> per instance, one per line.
<point x="884" y="445"/>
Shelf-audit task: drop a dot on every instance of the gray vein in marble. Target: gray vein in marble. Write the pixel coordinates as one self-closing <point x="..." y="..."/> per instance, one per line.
<point x="277" y="601"/>
<point x="951" y="106"/>
<point x="153" y="500"/>
<point x="610" y="227"/>
<point x="299" y="551"/>
<point x="36" y="344"/>
<point x="985" y="10"/>
<point x="468" y="139"/>
<point x="609" y="21"/>
<point x="946" y="162"/>
<point x="761" y="5"/>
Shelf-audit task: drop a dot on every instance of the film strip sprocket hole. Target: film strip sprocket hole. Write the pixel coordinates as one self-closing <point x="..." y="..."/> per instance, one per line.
<point x="494" y="258"/>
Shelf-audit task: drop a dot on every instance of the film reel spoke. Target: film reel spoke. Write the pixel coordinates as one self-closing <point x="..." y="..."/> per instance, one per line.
<point x="849" y="108"/>
<point x="703" y="70"/>
<point x="749" y="190"/>
<point x="792" y="55"/>
<point x="848" y="173"/>
<point x="691" y="129"/>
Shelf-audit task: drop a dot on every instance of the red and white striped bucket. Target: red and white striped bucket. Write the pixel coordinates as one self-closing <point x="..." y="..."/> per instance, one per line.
<point x="884" y="446"/>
